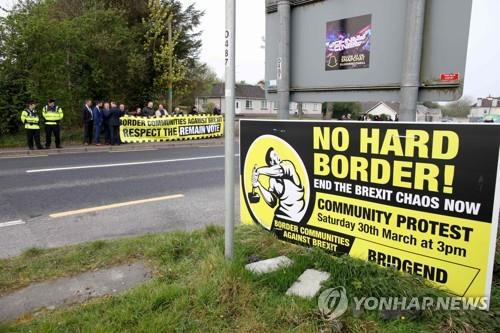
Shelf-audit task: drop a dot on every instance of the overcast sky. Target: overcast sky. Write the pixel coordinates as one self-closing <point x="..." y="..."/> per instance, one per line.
<point x="483" y="64"/>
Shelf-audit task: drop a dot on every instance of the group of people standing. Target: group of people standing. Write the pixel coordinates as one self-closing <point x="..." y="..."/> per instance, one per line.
<point x="105" y="117"/>
<point x="149" y="111"/>
<point x="102" y="117"/>
<point x="51" y="116"/>
<point x="98" y="117"/>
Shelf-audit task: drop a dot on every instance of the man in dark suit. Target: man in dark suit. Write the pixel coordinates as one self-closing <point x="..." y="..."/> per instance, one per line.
<point x="98" y="119"/>
<point x="88" y="122"/>
<point x="114" y="124"/>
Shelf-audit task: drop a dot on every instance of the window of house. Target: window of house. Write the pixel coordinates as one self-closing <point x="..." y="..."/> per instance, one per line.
<point x="248" y="105"/>
<point x="263" y="105"/>
<point x="315" y="107"/>
<point x="275" y="105"/>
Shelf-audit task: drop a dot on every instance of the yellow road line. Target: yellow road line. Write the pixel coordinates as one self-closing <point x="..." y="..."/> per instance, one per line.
<point x="116" y="205"/>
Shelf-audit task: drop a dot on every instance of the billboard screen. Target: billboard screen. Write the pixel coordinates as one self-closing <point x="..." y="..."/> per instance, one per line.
<point x="348" y="43"/>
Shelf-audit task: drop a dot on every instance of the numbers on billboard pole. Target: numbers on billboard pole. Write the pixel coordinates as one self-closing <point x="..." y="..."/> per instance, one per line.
<point x="226" y="54"/>
<point x="279" y="69"/>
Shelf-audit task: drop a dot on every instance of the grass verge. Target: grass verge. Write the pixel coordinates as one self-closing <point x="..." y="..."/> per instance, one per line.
<point x="69" y="136"/>
<point x="195" y="290"/>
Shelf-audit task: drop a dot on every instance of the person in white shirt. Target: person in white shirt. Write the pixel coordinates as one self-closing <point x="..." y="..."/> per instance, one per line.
<point x="161" y="112"/>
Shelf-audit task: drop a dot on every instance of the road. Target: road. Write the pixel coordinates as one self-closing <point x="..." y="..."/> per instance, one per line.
<point x="56" y="200"/>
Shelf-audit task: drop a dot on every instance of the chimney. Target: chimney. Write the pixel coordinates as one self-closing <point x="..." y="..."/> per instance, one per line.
<point x="479" y="102"/>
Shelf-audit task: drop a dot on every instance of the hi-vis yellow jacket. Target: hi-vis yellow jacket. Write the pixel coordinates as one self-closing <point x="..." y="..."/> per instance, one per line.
<point x="30" y="119"/>
<point x="52" y="117"/>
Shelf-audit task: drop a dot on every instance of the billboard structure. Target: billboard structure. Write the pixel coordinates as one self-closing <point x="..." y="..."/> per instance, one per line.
<point x="353" y="50"/>
<point x="402" y="195"/>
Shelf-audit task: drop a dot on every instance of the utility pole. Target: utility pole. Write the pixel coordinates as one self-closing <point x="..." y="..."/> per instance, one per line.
<point x="283" y="63"/>
<point x="410" y="83"/>
<point x="170" y="66"/>
<point x="229" y="57"/>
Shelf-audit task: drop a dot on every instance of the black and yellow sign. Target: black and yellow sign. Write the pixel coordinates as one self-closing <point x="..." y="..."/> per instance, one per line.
<point x="419" y="198"/>
<point x="138" y="129"/>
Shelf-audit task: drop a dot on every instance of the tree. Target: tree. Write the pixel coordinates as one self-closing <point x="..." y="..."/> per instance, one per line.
<point x="103" y="49"/>
<point x="344" y="108"/>
<point x="67" y="57"/>
<point x="168" y="66"/>
<point x="182" y="51"/>
<point x="458" y="109"/>
<point x="202" y="78"/>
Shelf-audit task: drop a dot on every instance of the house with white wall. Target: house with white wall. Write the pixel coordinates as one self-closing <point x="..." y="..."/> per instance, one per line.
<point x="249" y="99"/>
<point x="380" y="109"/>
<point x="484" y="107"/>
<point x="391" y="109"/>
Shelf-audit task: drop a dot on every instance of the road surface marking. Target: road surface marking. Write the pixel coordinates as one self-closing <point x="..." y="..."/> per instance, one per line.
<point x="11" y="223"/>
<point x="21" y="156"/>
<point x="116" y="205"/>
<point x="132" y="150"/>
<point x="127" y="164"/>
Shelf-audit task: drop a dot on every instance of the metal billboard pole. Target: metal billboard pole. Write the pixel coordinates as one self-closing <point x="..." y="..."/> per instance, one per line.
<point x="415" y="19"/>
<point x="170" y="68"/>
<point x="229" y="121"/>
<point x="283" y="63"/>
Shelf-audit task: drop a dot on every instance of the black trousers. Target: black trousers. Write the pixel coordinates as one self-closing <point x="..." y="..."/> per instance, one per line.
<point x="52" y="129"/>
<point x="107" y="132"/>
<point x="114" y="134"/>
<point x="88" y="131"/>
<point x="33" y="135"/>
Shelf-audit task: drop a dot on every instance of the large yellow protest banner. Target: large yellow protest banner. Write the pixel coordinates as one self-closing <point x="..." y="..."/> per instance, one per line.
<point x="422" y="199"/>
<point x="138" y="129"/>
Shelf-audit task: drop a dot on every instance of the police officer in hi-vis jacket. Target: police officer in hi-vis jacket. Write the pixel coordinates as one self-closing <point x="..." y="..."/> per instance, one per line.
<point x="53" y="116"/>
<point x="31" y="122"/>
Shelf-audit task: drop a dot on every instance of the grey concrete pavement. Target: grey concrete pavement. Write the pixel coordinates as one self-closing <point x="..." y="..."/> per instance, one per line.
<point x="67" y="291"/>
<point x="308" y="284"/>
<point x="194" y="172"/>
<point x="269" y="265"/>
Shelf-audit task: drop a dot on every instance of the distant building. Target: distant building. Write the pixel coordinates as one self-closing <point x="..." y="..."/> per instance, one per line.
<point x="428" y="115"/>
<point x="391" y="110"/>
<point x="484" y="107"/>
<point x="380" y="109"/>
<point x="250" y="99"/>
